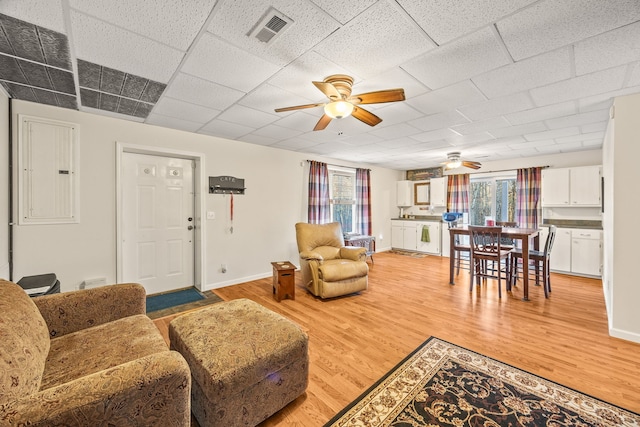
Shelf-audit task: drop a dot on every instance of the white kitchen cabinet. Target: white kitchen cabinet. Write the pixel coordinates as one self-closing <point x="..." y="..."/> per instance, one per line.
<point x="438" y="192"/>
<point x="403" y="235"/>
<point x="561" y="252"/>
<point x="579" y="186"/>
<point x="433" y="245"/>
<point x="404" y="192"/>
<point x="586" y="252"/>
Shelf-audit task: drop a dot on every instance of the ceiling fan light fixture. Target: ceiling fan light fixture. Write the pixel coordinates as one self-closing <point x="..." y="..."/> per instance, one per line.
<point x="454" y="165"/>
<point x="338" y="109"/>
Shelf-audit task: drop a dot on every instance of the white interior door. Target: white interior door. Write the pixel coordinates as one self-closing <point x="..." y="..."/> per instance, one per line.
<point x="157" y="222"/>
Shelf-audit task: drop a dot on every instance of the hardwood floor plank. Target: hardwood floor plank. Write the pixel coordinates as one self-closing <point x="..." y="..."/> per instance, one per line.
<point x="355" y="340"/>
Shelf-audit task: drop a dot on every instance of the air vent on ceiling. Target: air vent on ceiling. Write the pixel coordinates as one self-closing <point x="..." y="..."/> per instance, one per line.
<point x="272" y="24"/>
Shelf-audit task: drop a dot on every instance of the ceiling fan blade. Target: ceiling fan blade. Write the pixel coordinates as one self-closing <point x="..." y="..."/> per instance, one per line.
<point x="472" y="165"/>
<point x="329" y="90"/>
<point x="365" y="116"/>
<point x="323" y="122"/>
<point x="389" y="95"/>
<point x="297" y="107"/>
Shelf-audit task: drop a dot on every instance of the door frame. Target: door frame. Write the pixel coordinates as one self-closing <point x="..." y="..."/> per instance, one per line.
<point x="200" y="187"/>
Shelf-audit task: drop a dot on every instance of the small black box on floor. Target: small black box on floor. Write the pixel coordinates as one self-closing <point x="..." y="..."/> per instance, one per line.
<point x="42" y="284"/>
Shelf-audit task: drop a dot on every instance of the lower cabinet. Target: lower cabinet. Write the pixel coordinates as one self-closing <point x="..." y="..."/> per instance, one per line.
<point x="577" y="251"/>
<point x="428" y="237"/>
<point x="408" y="235"/>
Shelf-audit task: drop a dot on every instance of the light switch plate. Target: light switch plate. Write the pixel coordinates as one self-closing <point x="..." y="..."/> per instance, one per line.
<point x="211" y="215"/>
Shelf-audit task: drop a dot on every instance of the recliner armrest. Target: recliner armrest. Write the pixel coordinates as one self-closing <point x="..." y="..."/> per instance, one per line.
<point x="353" y="253"/>
<point x="152" y="391"/>
<point x="311" y="256"/>
<point x="73" y="311"/>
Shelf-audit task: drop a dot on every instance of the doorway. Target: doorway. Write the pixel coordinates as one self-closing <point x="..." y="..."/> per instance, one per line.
<point x="159" y="220"/>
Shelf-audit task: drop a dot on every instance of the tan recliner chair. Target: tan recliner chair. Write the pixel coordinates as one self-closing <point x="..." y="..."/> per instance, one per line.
<point x="329" y="268"/>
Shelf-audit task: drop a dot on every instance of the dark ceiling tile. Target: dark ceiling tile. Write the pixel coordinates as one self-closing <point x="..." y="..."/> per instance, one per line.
<point x="56" y="48"/>
<point x="10" y="70"/>
<point x="66" y="101"/>
<point x="111" y="81"/>
<point x="45" y="96"/>
<point x="5" y="47"/>
<point x="20" y="92"/>
<point x="152" y="92"/>
<point x="108" y="102"/>
<point x="134" y="86"/>
<point x="143" y="110"/>
<point x="89" y="98"/>
<point x="36" y="73"/>
<point x="88" y="74"/>
<point x="23" y="38"/>
<point x="62" y="80"/>
<point x="127" y="106"/>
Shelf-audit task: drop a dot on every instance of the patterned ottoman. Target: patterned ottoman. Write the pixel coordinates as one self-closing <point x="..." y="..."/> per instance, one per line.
<point x="246" y="361"/>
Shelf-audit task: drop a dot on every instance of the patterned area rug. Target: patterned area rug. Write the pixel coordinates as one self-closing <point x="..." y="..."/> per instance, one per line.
<point x="441" y="384"/>
<point x="407" y="253"/>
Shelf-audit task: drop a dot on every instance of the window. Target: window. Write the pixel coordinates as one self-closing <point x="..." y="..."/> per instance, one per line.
<point x="342" y="197"/>
<point x="493" y="197"/>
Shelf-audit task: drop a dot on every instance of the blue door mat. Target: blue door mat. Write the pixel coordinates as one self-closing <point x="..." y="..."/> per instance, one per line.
<point x="172" y="299"/>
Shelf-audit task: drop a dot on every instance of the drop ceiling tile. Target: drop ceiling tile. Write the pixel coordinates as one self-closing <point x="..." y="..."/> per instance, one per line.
<point x="393" y="113"/>
<point x="184" y="110"/>
<point x="174" y="23"/>
<point x="234" y="20"/>
<point x="229" y="66"/>
<point x="172" y="122"/>
<point x="578" y="119"/>
<point x="438" y="121"/>
<point x="391" y="79"/>
<point x="247" y="116"/>
<point x="108" y="102"/>
<point x="550" y="24"/>
<point x="607" y="50"/>
<point x="395" y="131"/>
<point x="464" y="58"/>
<point x="552" y="134"/>
<point x="362" y="139"/>
<point x="594" y="127"/>
<point x="267" y="98"/>
<point x="446" y="20"/>
<point x="134" y="86"/>
<point x="537" y="71"/>
<point x="481" y="126"/>
<point x="42" y="96"/>
<point x="295" y="144"/>
<point x="460" y="140"/>
<point x="579" y="87"/>
<point x="434" y="135"/>
<point x="111" y="81"/>
<point x="542" y="113"/>
<point x="275" y="132"/>
<point x="202" y="92"/>
<point x="10" y="70"/>
<point x="225" y="129"/>
<point x="56" y="48"/>
<point x="258" y="139"/>
<point x="634" y="78"/>
<point x="519" y="130"/>
<point x="344" y="11"/>
<point x="448" y="98"/>
<point x="498" y="106"/>
<point x="152" y="91"/>
<point x="89" y="74"/>
<point x="45" y="13"/>
<point x="581" y="137"/>
<point x="101" y="43"/>
<point x="143" y="109"/>
<point x="90" y="98"/>
<point x="375" y="41"/>
<point x="300" y="121"/>
<point x="22" y="38"/>
<point x="400" y="142"/>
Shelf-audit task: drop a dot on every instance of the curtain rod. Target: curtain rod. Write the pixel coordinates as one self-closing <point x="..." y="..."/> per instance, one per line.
<point x="507" y="170"/>
<point x="340" y="166"/>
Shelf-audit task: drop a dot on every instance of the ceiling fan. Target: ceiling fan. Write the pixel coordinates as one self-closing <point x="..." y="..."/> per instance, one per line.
<point x="337" y="88"/>
<point x="454" y="161"/>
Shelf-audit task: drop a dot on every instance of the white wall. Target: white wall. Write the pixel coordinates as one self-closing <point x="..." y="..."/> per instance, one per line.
<point x="264" y="217"/>
<point x="4" y="183"/>
<point x="622" y="203"/>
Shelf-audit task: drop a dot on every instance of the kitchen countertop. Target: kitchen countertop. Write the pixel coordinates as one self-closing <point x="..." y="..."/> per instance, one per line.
<point x="574" y="223"/>
<point x="437" y="218"/>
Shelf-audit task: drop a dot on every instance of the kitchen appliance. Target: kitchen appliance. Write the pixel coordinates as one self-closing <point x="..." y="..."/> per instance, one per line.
<point x="452" y="218"/>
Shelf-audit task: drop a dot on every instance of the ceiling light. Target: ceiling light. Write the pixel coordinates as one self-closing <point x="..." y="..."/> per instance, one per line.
<point x="453" y="165"/>
<point x="338" y="109"/>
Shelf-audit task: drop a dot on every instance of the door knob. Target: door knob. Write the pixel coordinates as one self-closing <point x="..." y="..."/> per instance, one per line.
<point x="190" y="227"/>
<point x="189" y="219"/>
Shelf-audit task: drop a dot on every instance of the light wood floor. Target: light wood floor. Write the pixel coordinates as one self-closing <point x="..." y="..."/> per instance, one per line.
<point x="355" y="340"/>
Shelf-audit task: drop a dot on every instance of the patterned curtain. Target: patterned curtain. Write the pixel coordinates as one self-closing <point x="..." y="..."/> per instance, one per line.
<point x="363" y="202"/>
<point x="319" y="211"/>
<point x="458" y="193"/>
<point x="528" y="184"/>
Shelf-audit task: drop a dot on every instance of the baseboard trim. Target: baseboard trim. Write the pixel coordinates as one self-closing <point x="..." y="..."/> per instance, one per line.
<point x="625" y="335"/>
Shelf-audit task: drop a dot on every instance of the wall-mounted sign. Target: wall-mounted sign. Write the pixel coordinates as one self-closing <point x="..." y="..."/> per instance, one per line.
<point x="226" y="185"/>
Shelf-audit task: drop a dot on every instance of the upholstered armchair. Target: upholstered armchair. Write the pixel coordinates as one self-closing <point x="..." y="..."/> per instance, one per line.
<point x="329" y="268"/>
<point x="87" y="358"/>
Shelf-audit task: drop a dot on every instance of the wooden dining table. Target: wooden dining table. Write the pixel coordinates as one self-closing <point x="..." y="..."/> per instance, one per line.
<point x="524" y="235"/>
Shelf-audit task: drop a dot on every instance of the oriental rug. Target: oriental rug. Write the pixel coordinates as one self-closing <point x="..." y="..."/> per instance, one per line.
<point x="441" y="384"/>
<point x="408" y="253"/>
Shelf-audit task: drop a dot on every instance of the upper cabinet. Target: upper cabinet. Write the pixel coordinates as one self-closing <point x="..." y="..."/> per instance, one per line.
<point x="439" y="192"/>
<point x="404" y="193"/>
<point x="579" y="186"/>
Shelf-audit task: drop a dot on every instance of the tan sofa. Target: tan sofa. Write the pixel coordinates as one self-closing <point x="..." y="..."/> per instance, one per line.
<point x="329" y="268"/>
<point x="87" y="358"/>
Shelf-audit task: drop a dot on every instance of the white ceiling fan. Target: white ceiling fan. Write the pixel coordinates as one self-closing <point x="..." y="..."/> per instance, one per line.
<point x="454" y="161"/>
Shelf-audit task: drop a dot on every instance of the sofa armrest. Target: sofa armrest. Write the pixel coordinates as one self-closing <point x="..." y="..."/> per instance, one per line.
<point x="311" y="255"/>
<point x="353" y="253"/>
<point x="73" y="311"/>
<point x="151" y="391"/>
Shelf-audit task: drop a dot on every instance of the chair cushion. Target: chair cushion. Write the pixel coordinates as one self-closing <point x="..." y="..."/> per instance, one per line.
<point x="342" y="269"/>
<point x="25" y="343"/>
<point x="328" y="252"/>
<point x="94" y="349"/>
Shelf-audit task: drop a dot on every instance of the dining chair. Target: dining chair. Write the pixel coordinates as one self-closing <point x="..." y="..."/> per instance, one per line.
<point x="541" y="260"/>
<point x="460" y="248"/>
<point x="486" y="246"/>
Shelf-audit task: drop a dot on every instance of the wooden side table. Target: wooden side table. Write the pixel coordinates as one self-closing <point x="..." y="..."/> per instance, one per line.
<point x="284" y="279"/>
